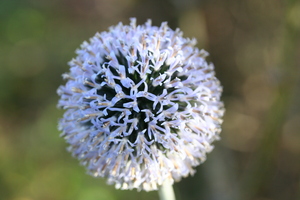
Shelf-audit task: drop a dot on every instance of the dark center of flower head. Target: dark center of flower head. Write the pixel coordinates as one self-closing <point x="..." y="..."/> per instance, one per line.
<point x="141" y="108"/>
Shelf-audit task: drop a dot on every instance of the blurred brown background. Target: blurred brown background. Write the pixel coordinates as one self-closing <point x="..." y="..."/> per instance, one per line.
<point x="254" y="45"/>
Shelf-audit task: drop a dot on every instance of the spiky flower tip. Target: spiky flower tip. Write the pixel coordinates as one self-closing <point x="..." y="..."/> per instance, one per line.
<point x="142" y="106"/>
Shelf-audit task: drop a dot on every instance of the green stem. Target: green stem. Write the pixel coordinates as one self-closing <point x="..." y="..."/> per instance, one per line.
<point x="166" y="191"/>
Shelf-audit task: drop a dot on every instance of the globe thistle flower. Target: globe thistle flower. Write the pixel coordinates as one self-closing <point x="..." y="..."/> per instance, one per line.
<point x="142" y="106"/>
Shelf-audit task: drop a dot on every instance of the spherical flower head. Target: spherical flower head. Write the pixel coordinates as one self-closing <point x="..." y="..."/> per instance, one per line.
<point x="142" y="106"/>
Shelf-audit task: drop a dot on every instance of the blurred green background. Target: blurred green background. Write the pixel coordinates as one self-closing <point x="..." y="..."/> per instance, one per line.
<point x="255" y="46"/>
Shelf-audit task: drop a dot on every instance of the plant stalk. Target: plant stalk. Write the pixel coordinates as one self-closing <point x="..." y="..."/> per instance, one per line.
<point x="166" y="191"/>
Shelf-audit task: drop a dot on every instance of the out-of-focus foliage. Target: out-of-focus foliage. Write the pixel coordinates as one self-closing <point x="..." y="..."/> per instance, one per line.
<point x="254" y="45"/>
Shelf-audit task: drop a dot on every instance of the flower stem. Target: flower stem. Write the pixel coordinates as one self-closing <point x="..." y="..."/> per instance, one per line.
<point x="166" y="191"/>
